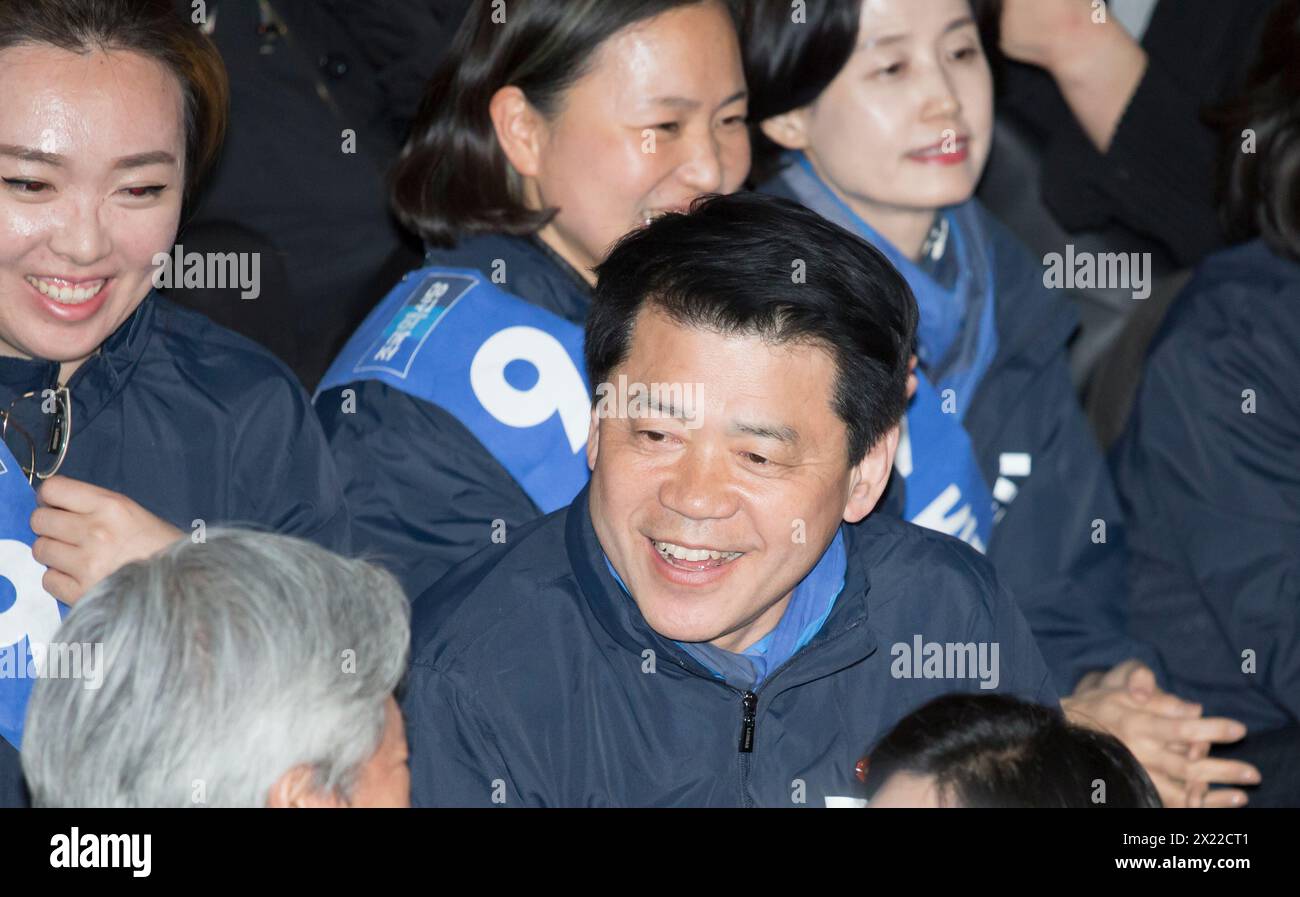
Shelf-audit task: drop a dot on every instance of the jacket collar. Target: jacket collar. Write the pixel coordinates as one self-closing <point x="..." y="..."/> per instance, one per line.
<point x="842" y="641"/>
<point x="533" y="271"/>
<point x="1033" y="323"/>
<point x="99" y="379"/>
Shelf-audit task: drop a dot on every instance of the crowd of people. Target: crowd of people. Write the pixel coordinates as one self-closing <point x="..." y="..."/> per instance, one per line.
<point x="712" y="391"/>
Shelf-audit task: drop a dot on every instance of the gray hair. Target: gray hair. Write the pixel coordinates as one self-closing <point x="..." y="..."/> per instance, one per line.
<point x="226" y="664"/>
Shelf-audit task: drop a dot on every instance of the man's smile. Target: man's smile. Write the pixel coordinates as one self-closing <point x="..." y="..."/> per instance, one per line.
<point x="692" y="565"/>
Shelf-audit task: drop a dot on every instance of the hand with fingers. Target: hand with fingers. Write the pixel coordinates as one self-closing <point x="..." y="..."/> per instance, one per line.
<point x="1167" y="734"/>
<point x="84" y="533"/>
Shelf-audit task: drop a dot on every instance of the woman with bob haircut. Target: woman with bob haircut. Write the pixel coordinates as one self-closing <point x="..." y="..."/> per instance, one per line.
<point x="136" y="420"/>
<point x="879" y="115"/>
<point x="459" y="410"/>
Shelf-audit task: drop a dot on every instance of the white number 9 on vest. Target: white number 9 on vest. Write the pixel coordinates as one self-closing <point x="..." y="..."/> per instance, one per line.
<point x="559" y="388"/>
<point x="34" y="613"/>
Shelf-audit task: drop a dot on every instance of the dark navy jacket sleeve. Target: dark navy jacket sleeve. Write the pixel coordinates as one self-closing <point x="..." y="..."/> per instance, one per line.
<point x="1047" y="547"/>
<point x="1030" y="677"/>
<point x="285" y="476"/>
<point x="995" y="617"/>
<point x="455" y="760"/>
<point x="1214" y="482"/>
<point x="422" y="490"/>
<point x="1072" y="588"/>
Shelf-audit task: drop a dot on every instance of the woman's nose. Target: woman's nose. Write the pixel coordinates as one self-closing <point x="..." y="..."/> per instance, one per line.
<point x="81" y="237"/>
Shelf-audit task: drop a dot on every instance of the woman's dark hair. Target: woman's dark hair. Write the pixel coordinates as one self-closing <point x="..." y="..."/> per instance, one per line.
<point x="1259" y="191"/>
<point x="452" y="177"/>
<point x="997" y="751"/>
<point x="151" y="28"/>
<point x="754" y="264"/>
<point x="789" y="61"/>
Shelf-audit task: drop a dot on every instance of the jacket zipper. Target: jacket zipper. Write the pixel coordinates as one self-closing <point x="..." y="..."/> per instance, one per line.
<point x="748" y="704"/>
<point x="749" y="714"/>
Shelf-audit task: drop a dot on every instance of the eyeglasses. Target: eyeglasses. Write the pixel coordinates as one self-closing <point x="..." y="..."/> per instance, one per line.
<point x="23" y="445"/>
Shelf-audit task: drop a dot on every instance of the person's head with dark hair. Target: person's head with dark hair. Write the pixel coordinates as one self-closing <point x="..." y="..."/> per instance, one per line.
<point x="111" y="111"/>
<point x="750" y="364"/>
<point x="1260" y="172"/>
<point x="891" y="101"/>
<point x="967" y="750"/>
<point x="576" y="120"/>
<point x="150" y="28"/>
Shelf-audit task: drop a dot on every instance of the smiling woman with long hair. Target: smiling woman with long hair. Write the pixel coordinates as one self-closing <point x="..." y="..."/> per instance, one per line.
<point x="135" y="419"/>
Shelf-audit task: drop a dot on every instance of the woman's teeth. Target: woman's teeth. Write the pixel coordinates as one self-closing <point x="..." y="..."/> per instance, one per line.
<point x="669" y="550"/>
<point x="65" y="293"/>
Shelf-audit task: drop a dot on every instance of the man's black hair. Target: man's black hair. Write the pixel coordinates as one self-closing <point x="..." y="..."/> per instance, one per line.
<point x="753" y="264"/>
<point x="996" y="751"/>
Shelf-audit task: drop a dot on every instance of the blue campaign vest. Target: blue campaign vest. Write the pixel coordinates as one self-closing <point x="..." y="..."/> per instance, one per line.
<point x="511" y="372"/>
<point x="28" y="614"/>
<point x="945" y="489"/>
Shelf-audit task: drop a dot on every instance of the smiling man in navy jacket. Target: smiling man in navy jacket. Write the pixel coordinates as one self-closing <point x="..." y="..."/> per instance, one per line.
<point x="715" y="620"/>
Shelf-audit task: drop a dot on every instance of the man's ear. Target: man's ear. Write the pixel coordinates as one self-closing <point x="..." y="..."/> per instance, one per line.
<point x="788" y="130"/>
<point x="871" y="476"/>
<point x="520" y="129"/>
<point x="297" y="789"/>
<point x="593" y="437"/>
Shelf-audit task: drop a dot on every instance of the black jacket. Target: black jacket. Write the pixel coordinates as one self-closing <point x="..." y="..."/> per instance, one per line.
<point x="1154" y="188"/>
<point x="304" y="74"/>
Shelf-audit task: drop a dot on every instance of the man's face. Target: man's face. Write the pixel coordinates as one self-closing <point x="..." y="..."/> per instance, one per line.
<point x="711" y="521"/>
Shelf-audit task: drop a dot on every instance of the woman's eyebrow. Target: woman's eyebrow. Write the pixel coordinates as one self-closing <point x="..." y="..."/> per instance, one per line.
<point x="873" y="41"/>
<point x="136" y="160"/>
<point x="139" y="160"/>
<point x="688" y="104"/>
<point x="30" y="154"/>
<point x="885" y="40"/>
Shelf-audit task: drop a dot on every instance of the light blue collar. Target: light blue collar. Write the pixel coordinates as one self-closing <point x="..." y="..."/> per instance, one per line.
<point x="810" y="605"/>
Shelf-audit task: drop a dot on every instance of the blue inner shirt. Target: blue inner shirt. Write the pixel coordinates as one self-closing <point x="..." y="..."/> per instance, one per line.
<point x="810" y="605"/>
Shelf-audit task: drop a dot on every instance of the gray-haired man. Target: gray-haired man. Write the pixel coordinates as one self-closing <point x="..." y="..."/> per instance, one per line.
<point x="247" y="670"/>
